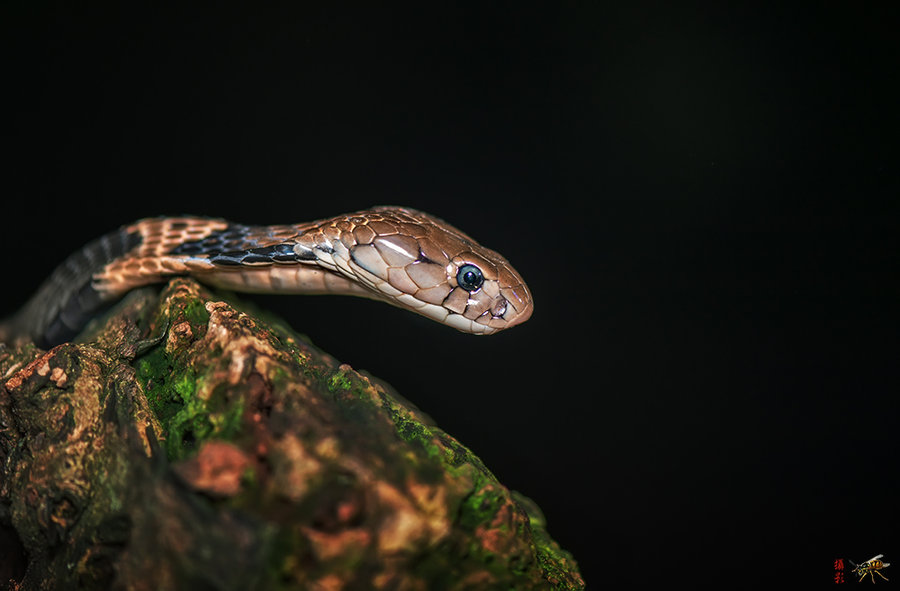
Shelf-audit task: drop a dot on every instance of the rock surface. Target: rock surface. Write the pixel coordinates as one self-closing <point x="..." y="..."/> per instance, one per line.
<point x="225" y="452"/>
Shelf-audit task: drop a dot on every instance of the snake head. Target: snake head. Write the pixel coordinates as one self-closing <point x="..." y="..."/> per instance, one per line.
<point x="486" y="294"/>
<point x="416" y="261"/>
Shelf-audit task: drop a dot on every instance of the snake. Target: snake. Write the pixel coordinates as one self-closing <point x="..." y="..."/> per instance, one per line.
<point x="398" y="255"/>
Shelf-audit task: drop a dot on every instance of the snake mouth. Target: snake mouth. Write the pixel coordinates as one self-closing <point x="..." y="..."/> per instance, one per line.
<point x="499" y="307"/>
<point x="514" y="305"/>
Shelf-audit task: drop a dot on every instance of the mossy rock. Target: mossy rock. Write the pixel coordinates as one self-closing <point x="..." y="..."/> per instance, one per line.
<point x="223" y="451"/>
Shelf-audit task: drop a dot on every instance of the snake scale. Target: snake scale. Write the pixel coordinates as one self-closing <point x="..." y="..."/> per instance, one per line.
<point x="398" y="255"/>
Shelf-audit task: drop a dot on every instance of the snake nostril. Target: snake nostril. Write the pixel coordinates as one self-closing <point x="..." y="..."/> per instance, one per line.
<point x="498" y="309"/>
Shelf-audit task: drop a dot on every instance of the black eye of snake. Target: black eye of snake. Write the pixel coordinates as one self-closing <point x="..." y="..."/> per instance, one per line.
<point x="469" y="277"/>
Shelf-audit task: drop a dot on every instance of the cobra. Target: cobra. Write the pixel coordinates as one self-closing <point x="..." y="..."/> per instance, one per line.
<point x="398" y="255"/>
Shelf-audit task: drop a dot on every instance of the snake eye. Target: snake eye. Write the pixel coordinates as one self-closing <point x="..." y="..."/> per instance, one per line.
<point x="469" y="277"/>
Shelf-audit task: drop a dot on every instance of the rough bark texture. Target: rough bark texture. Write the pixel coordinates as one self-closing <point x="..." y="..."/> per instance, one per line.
<point x="229" y="453"/>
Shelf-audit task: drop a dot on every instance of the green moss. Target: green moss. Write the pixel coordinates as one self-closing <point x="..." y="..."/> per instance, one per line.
<point x="186" y="386"/>
<point x="556" y="564"/>
<point x="195" y="313"/>
<point x="226" y="412"/>
<point x="339" y="380"/>
<point x="185" y="431"/>
<point x="171" y="389"/>
<point x="154" y="371"/>
<point x="220" y="416"/>
<point x="482" y="504"/>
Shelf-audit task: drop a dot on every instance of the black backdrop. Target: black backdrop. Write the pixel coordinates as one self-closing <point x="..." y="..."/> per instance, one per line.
<point x="703" y="201"/>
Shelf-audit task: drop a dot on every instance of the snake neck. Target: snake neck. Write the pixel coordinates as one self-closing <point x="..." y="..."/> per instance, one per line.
<point x="218" y="253"/>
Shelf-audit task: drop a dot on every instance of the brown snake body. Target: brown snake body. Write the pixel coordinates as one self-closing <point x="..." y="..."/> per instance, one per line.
<point x="402" y="256"/>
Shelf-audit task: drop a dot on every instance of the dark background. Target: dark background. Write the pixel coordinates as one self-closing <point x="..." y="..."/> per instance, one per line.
<point x="703" y="201"/>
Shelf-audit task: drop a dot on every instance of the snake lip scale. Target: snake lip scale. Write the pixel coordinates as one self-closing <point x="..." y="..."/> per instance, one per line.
<point x="398" y="255"/>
